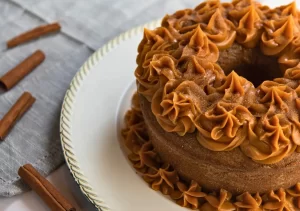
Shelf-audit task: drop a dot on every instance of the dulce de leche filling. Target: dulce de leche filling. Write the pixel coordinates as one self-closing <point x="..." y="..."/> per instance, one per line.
<point x="179" y="73"/>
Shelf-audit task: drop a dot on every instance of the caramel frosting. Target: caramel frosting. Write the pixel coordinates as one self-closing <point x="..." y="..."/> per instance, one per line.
<point x="277" y="94"/>
<point x="278" y="34"/>
<point x="293" y="73"/>
<point x="178" y="73"/>
<point x="146" y="157"/>
<point x="177" y="105"/>
<point x="285" y="10"/>
<point x="134" y="134"/>
<point x="277" y="201"/>
<point x="237" y="89"/>
<point x="270" y="140"/>
<point x="294" y="193"/>
<point x="201" y="46"/>
<point x="218" y="202"/>
<point x="156" y="74"/>
<point x="220" y="30"/>
<point x="291" y="56"/>
<point x="224" y="127"/>
<point x="162" y="177"/>
<point x="249" y="25"/>
<point x="188" y="196"/>
<point x="248" y="202"/>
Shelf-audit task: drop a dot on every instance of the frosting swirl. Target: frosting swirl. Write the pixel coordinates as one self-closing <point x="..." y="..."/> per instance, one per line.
<point x="293" y="73"/>
<point x="177" y="105"/>
<point x="224" y="127"/>
<point x="134" y="134"/>
<point x="295" y="193"/>
<point x="237" y="88"/>
<point x="248" y="202"/>
<point x="188" y="196"/>
<point x="277" y="201"/>
<point x="206" y="9"/>
<point x="249" y="25"/>
<point x="218" y="203"/>
<point x="180" y="22"/>
<point x="291" y="57"/>
<point x="220" y="30"/>
<point x="201" y="46"/>
<point x="146" y="158"/>
<point x="158" y="39"/>
<point x="270" y="140"/>
<point x="277" y="35"/>
<point x="285" y="10"/>
<point x="160" y="70"/>
<point x="276" y="94"/>
<point x="162" y="179"/>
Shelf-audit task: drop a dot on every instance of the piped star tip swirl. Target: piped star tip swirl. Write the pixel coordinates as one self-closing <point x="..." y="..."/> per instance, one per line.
<point x="221" y="81"/>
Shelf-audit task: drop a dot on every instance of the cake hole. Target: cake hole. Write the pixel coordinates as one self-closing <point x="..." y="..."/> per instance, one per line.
<point x="258" y="73"/>
<point x="249" y="63"/>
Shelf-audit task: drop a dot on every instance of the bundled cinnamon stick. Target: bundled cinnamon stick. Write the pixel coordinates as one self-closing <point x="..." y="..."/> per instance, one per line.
<point x="15" y="113"/>
<point x="12" y="77"/>
<point x="44" y="189"/>
<point x="33" y="34"/>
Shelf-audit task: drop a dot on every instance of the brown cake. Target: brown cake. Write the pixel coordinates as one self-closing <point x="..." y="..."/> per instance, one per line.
<point x="215" y="123"/>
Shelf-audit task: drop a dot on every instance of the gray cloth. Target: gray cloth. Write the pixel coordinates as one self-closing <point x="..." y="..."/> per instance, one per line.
<point x="86" y="26"/>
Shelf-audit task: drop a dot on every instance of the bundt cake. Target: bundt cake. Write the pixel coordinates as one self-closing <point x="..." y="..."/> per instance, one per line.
<point x="215" y="122"/>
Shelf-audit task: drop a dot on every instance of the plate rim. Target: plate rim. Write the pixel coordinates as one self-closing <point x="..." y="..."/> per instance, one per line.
<point x="67" y="111"/>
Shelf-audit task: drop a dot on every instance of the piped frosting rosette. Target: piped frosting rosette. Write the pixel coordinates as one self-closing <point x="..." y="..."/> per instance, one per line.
<point x="278" y="34"/>
<point x="249" y="22"/>
<point x="223" y="127"/>
<point x="177" y="105"/>
<point x="290" y="58"/>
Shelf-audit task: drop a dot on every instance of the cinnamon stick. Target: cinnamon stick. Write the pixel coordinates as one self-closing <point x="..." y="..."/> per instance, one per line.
<point x="12" y="77"/>
<point x="15" y="113"/>
<point x="49" y="194"/>
<point x="33" y="34"/>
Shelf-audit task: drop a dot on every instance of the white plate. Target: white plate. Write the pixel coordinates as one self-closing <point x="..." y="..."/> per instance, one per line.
<point x="91" y="117"/>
